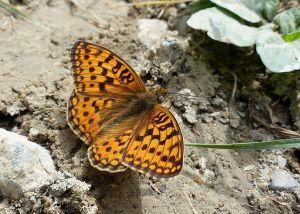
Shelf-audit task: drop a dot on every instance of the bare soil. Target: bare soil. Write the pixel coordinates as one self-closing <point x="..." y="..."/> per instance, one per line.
<point x="35" y="83"/>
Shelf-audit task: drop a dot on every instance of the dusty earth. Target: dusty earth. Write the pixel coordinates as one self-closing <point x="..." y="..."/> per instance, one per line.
<point x="35" y="83"/>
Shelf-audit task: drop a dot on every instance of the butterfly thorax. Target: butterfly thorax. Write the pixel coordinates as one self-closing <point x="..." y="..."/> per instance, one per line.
<point x="141" y="104"/>
<point x="128" y="115"/>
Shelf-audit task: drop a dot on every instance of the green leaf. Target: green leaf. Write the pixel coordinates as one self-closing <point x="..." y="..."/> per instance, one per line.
<point x="273" y="144"/>
<point x="239" y="8"/>
<point x="222" y="27"/>
<point x="292" y="36"/>
<point x="266" y="8"/>
<point x="277" y="55"/>
<point x="199" y="5"/>
<point x="288" y="20"/>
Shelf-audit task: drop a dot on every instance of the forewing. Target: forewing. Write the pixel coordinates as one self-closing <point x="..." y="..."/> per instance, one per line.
<point x="156" y="147"/>
<point x="106" y="154"/>
<point x="97" y="70"/>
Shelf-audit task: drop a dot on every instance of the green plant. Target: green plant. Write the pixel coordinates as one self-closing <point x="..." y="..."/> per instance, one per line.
<point x="272" y="144"/>
<point x="247" y="23"/>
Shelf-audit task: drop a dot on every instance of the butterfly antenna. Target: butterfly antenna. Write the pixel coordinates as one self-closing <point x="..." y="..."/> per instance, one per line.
<point x="186" y="95"/>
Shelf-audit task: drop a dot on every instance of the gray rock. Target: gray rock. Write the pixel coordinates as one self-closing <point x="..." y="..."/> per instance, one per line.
<point x="281" y="161"/>
<point x="258" y="135"/>
<point x="151" y="31"/>
<point x="219" y="102"/>
<point x="178" y="103"/>
<point x="234" y="121"/>
<point x="181" y="6"/>
<point x="202" y="163"/>
<point x="169" y="50"/>
<point x="208" y="175"/>
<point x="190" y="114"/>
<point x="186" y="97"/>
<point x="61" y="182"/>
<point x="223" y="120"/>
<point x="15" y="109"/>
<point x="34" y="132"/>
<point x="241" y="114"/>
<point x="25" y="166"/>
<point x="249" y="167"/>
<point x="283" y="181"/>
<point x="206" y="118"/>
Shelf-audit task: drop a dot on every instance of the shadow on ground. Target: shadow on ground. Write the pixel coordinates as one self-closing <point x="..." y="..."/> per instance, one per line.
<point x="116" y="193"/>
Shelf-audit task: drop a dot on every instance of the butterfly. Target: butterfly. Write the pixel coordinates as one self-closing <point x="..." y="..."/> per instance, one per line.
<point x="112" y="111"/>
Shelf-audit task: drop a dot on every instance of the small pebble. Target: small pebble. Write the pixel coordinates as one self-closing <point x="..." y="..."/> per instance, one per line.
<point x="283" y="181"/>
<point x="223" y="120"/>
<point x="190" y="114"/>
<point x="234" y="120"/>
<point x="168" y="50"/>
<point x="281" y="161"/>
<point x="162" y="188"/>
<point x="151" y="31"/>
<point x="208" y="175"/>
<point x="219" y="102"/>
<point x="202" y="163"/>
<point x="33" y="132"/>
<point x="206" y="118"/>
<point x="249" y="167"/>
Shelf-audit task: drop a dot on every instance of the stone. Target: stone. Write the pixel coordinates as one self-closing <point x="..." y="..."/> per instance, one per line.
<point x="151" y="31"/>
<point x="208" y="175"/>
<point x="234" y="121"/>
<point x="61" y="182"/>
<point x="25" y="165"/>
<point x="223" y="120"/>
<point x="190" y="114"/>
<point x="169" y="50"/>
<point x="34" y="132"/>
<point x="283" y="181"/>
<point x="249" y="167"/>
<point x="202" y="163"/>
<point x="281" y="161"/>
<point x="218" y="102"/>
<point x="206" y="118"/>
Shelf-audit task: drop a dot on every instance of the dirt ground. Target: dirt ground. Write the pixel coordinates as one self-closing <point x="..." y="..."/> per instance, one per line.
<point x="36" y="81"/>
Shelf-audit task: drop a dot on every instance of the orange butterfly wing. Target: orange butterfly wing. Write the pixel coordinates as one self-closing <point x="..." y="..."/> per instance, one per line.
<point x="106" y="154"/>
<point x="97" y="71"/>
<point x="87" y="114"/>
<point x="103" y="80"/>
<point x="156" y="147"/>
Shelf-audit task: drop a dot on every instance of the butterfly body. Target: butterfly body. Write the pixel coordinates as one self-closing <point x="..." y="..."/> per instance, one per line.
<point x="111" y="111"/>
<point x="126" y="115"/>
